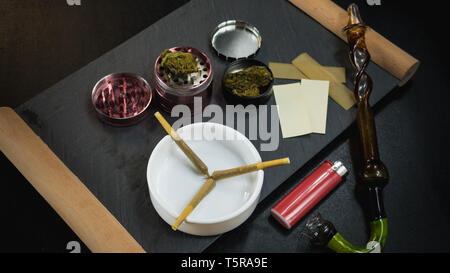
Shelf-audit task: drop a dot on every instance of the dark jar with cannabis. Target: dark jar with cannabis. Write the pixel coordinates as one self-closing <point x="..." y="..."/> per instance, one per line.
<point x="247" y="82"/>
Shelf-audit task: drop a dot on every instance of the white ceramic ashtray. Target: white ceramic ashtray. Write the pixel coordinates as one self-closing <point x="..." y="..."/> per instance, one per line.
<point x="173" y="180"/>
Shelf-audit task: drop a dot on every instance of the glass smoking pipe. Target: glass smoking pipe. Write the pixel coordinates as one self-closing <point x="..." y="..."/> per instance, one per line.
<point x="374" y="175"/>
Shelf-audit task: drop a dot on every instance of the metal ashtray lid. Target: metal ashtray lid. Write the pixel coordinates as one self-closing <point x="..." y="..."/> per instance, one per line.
<point x="235" y="39"/>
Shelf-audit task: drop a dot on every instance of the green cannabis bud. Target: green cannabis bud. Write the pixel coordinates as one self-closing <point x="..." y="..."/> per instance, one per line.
<point x="248" y="81"/>
<point x="178" y="63"/>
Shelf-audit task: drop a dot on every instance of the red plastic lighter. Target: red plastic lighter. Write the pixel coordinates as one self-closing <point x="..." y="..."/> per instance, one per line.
<point x="308" y="193"/>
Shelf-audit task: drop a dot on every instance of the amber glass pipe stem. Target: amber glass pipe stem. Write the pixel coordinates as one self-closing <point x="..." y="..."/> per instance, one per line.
<point x="374" y="173"/>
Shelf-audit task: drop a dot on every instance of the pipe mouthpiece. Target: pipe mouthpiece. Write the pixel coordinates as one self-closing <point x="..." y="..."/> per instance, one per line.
<point x="354" y="17"/>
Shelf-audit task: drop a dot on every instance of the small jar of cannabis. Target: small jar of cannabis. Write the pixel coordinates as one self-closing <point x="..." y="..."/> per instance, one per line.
<point x="247" y="81"/>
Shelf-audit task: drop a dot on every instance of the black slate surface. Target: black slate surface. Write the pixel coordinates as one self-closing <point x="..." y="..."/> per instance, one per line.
<point x="112" y="161"/>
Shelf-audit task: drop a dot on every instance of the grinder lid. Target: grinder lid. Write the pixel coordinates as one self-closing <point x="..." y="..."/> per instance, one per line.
<point x="235" y="39"/>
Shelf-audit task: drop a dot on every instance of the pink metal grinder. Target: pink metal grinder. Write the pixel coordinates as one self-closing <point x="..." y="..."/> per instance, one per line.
<point x="308" y="193"/>
<point x="171" y="91"/>
<point x="121" y="99"/>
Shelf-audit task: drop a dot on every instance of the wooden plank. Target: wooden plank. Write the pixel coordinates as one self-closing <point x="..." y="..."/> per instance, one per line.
<point x="67" y="195"/>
